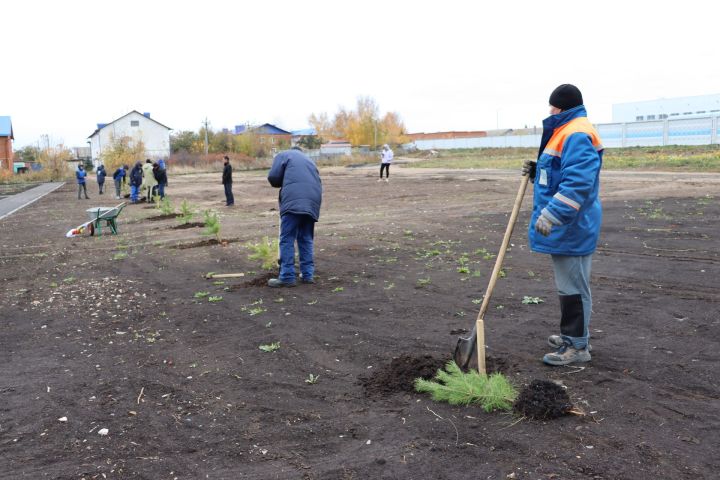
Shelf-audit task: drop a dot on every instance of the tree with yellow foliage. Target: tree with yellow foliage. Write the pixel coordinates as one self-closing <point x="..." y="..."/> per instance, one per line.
<point x="362" y="126"/>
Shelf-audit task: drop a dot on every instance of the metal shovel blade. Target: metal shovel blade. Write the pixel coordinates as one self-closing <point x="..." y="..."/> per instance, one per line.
<point x="465" y="349"/>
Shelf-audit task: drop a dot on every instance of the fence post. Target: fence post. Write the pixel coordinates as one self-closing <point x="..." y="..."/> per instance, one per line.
<point x="666" y="132"/>
<point x="713" y="132"/>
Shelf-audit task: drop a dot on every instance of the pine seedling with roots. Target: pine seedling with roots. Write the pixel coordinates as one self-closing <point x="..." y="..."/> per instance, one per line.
<point x="452" y="385"/>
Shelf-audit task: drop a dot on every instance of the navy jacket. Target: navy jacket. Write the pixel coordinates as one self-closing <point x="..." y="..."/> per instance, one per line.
<point x="136" y="176"/>
<point x="101" y="174"/>
<point x="299" y="181"/>
<point x="227" y="174"/>
<point x="567" y="184"/>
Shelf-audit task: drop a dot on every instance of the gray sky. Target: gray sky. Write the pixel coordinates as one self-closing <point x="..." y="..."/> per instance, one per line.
<point x="442" y="65"/>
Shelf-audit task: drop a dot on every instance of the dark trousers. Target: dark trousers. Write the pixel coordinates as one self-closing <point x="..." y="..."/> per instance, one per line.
<point x="101" y="185"/>
<point x="229" y="198"/>
<point x="386" y="167"/>
<point x="82" y="189"/>
<point x="300" y="228"/>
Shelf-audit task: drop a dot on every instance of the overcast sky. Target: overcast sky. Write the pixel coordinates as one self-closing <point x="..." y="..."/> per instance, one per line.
<point x="442" y="65"/>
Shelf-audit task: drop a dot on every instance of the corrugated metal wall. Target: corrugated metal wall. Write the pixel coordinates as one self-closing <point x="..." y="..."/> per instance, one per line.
<point x="690" y="131"/>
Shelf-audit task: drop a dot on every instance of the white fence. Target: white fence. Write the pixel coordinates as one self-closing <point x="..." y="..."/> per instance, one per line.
<point x="686" y="131"/>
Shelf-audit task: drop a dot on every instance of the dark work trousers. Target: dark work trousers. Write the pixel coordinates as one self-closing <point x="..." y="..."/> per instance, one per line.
<point x="386" y="167"/>
<point x="101" y="185"/>
<point x="300" y="229"/>
<point x="82" y="189"/>
<point x="229" y="198"/>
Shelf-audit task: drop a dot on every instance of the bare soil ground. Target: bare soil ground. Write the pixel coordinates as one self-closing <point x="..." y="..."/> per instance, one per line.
<point x="108" y="333"/>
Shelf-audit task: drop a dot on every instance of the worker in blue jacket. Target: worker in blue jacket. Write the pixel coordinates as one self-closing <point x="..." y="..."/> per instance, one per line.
<point x="80" y="175"/>
<point x="119" y="179"/>
<point x="300" y="197"/>
<point x="101" y="174"/>
<point x="567" y="215"/>
<point x="136" y="179"/>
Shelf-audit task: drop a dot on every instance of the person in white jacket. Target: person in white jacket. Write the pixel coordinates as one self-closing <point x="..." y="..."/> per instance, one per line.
<point x="385" y="159"/>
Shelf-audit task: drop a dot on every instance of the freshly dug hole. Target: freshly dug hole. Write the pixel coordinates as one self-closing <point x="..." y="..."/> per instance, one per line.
<point x="400" y="374"/>
<point x="543" y="400"/>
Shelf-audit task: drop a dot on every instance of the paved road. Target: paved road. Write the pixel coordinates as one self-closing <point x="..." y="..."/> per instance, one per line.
<point x="12" y="204"/>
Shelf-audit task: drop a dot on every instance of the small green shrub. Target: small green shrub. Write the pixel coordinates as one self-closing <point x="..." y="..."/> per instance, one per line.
<point x="166" y="207"/>
<point x="186" y="212"/>
<point x="266" y="252"/>
<point x="212" y="224"/>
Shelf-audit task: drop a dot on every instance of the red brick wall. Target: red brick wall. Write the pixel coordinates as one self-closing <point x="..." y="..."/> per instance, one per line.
<point x="6" y="153"/>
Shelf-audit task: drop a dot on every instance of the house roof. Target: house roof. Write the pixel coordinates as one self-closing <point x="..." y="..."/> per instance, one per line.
<point x="264" y="129"/>
<point x="100" y="126"/>
<point x="6" y="129"/>
<point x="304" y="131"/>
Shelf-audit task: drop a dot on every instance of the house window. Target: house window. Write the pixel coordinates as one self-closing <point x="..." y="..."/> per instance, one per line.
<point x="651" y="117"/>
<point x="639" y="118"/>
<point x="272" y="140"/>
<point x="687" y="113"/>
<point x="662" y="116"/>
<point x="674" y="114"/>
<point x="701" y="111"/>
<point x="134" y="123"/>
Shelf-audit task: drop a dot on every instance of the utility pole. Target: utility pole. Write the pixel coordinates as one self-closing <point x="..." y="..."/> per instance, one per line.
<point x="206" y="136"/>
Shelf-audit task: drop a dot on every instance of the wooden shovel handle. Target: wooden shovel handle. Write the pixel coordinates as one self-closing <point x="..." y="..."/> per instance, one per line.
<point x="503" y="247"/>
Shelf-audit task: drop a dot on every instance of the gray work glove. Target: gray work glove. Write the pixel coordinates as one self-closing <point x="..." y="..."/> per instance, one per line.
<point x="543" y="225"/>
<point x="529" y="167"/>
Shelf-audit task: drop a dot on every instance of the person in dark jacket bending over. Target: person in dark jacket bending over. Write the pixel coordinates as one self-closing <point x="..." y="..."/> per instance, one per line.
<point x="567" y="215"/>
<point x="227" y="182"/>
<point x="136" y="179"/>
<point x="300" y="197"/>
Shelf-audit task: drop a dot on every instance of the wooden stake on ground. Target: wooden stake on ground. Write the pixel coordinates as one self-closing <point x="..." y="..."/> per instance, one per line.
<point x="225" y="275"/>
<point x="480" y="328"/>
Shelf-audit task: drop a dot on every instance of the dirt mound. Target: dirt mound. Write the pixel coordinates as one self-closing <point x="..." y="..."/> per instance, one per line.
<point x="543" y="400"/>
<point x="166" y="216"/>
<point x="260" y="281"/>
<point x="400" y="374"/>
<point x="183" y="226"/>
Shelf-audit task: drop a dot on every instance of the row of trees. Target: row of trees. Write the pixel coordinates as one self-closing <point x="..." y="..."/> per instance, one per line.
<point x="54" y="159"/>
<point x="248" y="143"/>
<point x="362" y="126"/>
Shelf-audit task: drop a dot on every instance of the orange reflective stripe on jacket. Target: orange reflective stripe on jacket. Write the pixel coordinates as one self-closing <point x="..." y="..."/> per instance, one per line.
<point x="554" y="146"/>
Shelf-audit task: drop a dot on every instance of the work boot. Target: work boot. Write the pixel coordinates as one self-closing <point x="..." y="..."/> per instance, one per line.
<point x="566" y="354"/>
<point x="307" y="280"/>
<point x="277" y="283"/>
<point x="380" y="179"/>
<point x="556" y="341"/>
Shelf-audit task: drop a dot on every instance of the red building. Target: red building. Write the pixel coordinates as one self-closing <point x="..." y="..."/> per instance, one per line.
<point x="6" y="138"/>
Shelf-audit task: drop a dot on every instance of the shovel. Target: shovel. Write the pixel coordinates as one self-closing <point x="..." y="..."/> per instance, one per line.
<point x="466" y="346"/>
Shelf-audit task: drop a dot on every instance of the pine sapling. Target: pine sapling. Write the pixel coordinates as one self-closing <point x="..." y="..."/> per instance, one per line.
<point x="212" y="224"/>
<point x="452" y="385"/>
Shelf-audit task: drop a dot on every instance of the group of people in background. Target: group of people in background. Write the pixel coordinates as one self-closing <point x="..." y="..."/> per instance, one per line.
<point x="148" y="179"/>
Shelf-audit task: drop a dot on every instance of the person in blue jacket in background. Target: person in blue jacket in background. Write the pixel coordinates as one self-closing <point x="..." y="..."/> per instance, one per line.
<point x="80" y="175"/>
<point x="119" y="179"/>
<point x="101" y="174"/>
<point x="566" y="216"/>
<point x="298" y="179"/>
<point x="136" y="179"/>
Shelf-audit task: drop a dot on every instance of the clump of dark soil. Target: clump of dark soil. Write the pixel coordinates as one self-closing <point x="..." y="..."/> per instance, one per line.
<point x="167" y="216"/>
<point x="183" y="226"/>
<point x="543" y="400"/>
<point x="260" y="281"/>
<point x="205" y="243"/>
<point x="400" y="374"/>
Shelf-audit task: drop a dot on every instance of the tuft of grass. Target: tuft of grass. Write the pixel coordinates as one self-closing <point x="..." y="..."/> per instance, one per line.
<point x="532" y="300"/>
<point x="201" y="294"/>
<point x="265" y="252"/>
<point x="270" y="347"/>
<point x="452" y="385"/>
<point x="215" y="298"/>
<point x="312" y="379"/>
<point x="337" y="289"/>
<point x="120" y="256"/>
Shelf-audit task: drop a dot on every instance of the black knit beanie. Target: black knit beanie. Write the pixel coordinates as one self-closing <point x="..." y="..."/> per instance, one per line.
<point x="566" y="96"/>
